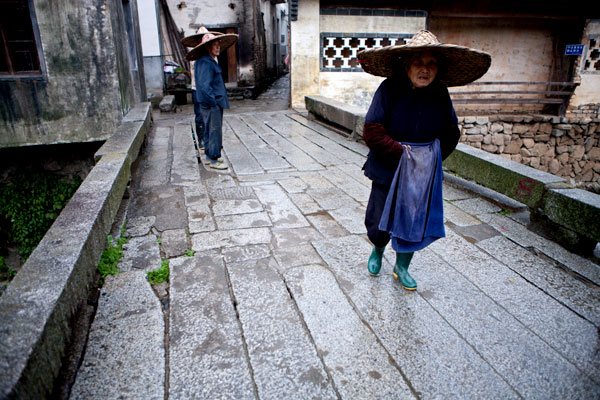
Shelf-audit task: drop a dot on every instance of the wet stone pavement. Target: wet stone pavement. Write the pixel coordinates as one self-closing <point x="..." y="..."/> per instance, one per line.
<point x="269" y="295"/>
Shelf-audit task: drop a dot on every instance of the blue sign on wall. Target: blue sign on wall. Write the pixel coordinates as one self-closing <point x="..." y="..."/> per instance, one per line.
<point x="574" y="49"/>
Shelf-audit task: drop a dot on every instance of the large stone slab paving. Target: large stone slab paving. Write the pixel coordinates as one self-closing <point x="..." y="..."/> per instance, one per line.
<point x="579" y="296"/>
<point x="195" y="195"/>
<point x="231" y="207"/>
<point x="458" y="216"/>
<point x="567" y="333"/>
<point x="305" y="203"/>
<point x="331" y="198"/>
<point x="155" y="161"/>
<point x="245" y="253"/>
<point x="436" y="360"/>
<point x="291" y="237"/>
<point x="359" y="365"/>
<point x="328" y="196"/>
<point x="292" y="154"/>
<point x="284" y="360"/>
<point x="525" y="238"/>
<point x="184" y="167"/>
<point x="266" y="156"/>
<point x="328" y="143"/>
<point x="207" y="356"/>
<point x="242" y="221"/>
<point x="200" y="218"/>
<point x="232" y="193"/>
<point x="527" y="362"/>
<point x="174" y="243"/>
<point x="301" y="254"/>
<point x="453" y="193"/>
<point x="291" y="130"/>
<point x="238" y="237"/>
<point x="476" y="206"/>
<point x="351" y="218"/>
<point x="140" y="253"/>
<point x="219" y="181"/>
<point x="327" y="226"/>
<point x="139" y="226"/>
<point x="281" y="210"/>
<point x="292" y="184"/>
<point x="353" y="145"/>
<point x="240" y="159"/>
<point x="166" y="203"/>
<point x="351" y="187"/>
<point x="125" y="355"/>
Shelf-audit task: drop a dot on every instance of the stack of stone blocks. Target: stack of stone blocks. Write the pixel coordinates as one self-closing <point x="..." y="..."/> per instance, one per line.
<point x="567" y="147"/>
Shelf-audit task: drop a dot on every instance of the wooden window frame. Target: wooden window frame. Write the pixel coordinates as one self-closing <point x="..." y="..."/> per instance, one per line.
<point x="38" y="74"/>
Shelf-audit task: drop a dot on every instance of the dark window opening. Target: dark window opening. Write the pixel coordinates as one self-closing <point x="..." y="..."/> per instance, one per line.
<point x="19" y="55"/>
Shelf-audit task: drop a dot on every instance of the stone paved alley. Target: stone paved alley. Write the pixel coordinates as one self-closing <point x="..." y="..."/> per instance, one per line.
<point x="276" y="303"/>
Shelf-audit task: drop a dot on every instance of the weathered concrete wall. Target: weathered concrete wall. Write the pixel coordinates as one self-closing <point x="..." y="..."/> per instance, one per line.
<point x="87" y="87"/>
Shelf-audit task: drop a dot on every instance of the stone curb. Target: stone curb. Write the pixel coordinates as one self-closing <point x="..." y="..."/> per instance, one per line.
<point x="345" y="115"/>
<point x="570" y="208"/>
<point x="36" y="309"/>
<point x="575" y="210"/>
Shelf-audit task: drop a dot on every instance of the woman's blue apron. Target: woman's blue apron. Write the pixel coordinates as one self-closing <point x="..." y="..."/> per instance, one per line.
<point x="417" y="218"/>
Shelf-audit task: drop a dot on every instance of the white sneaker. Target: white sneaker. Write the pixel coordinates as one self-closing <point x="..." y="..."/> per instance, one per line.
<point x="207" y="161"/>
<point x="218" y="165"/>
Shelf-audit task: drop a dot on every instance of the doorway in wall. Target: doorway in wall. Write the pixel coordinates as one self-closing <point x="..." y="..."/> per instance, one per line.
<point x="228" y="62"/>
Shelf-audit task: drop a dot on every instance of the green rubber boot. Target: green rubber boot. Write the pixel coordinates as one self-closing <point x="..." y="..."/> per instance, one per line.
<point x="401" y="271"/>
<point x="375" y="260"/>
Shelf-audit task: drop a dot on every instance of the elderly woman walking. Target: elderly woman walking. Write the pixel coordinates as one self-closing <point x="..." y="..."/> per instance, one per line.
<point x="410" y="128"/>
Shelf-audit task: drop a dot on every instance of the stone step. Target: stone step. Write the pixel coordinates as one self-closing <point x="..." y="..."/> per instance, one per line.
<point x="125" y="355"/>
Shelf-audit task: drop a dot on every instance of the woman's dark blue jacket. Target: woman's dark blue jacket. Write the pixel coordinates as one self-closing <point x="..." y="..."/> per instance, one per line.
<point x="400" y="113"/>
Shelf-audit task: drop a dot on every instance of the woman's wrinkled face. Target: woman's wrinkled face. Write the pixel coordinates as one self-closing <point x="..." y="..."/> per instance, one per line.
<point x="422" y="69"/>
<point x="214" y="49"/>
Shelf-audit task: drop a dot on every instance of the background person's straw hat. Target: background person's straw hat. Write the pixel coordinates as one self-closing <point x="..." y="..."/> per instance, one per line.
<point x="226" y="41"/>
<point x="196" y="39"/>
<point x="461" y="65"/>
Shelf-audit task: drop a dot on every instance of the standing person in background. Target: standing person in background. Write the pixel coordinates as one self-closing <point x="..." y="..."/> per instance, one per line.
<point x="211" y="94"/>
<point x="410" y="128"/>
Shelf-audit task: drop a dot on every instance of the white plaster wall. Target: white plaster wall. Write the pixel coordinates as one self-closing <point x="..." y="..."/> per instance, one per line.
<point x="588" y="92"/>
<point x="521" y="51"/>
<point x="358" y="88"/>
<point x="371" y="24"/>
<point x="304" y="64"/>
<point x="213" y="13"/>
<point x="148" y="16"/>
<point x="351" y="87"/>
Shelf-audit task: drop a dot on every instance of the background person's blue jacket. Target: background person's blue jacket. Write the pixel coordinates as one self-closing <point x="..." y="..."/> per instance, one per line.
<point x="210" y="87"/>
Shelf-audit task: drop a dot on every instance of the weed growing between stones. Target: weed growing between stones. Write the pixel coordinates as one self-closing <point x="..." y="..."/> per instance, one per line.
<point x="190" y="253"/>
<point x="159" y="275"/>
<point x="111" y="256"/>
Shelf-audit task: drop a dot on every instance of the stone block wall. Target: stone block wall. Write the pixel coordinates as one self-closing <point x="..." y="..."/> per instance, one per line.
<point x="566" y="147"/>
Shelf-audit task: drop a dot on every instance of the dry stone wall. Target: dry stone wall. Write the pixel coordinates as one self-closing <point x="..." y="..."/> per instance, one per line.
<point x="566" y="147"/>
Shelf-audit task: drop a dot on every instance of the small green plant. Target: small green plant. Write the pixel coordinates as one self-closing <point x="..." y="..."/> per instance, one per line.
<point x="111" y="256"/>
<point x="505" y="212"/>
<point x="30" y="204"/>
<point x="159" y="240"/>
<point x="5" y="270"/>
<point x="159" y="275"/>
<point x="190" y="253"/>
